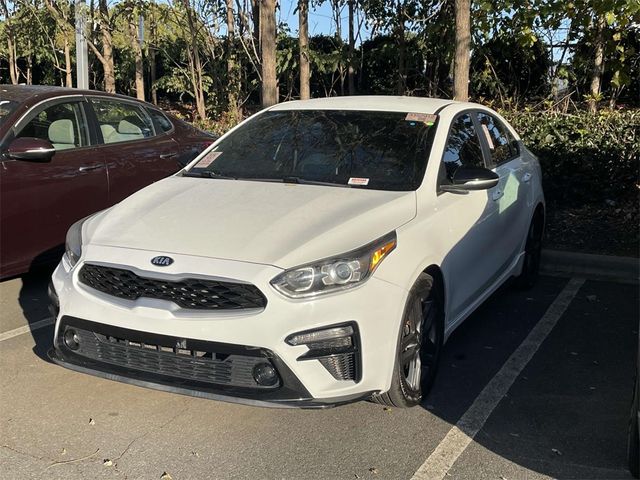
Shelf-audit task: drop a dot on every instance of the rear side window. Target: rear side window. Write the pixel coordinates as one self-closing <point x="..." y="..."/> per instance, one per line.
<point x="463" y="146"/>
<point x="62" y="124"/>
<point x="161" y="121"/>
<point x="501" y="143"/>
<point x="121" y="121"/>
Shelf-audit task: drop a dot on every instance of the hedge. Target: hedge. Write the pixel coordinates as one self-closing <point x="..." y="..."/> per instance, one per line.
<point x="585" y="157"/>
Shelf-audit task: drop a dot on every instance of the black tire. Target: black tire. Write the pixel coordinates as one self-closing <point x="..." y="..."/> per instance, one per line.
<point x="419" y="346"/>
<point x="532" y="253"/>
<point x="633" y="443"/>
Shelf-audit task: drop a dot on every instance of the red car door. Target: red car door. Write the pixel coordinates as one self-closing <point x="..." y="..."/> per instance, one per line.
<point x="135" y="151"/>
<point x="40" y="200"/>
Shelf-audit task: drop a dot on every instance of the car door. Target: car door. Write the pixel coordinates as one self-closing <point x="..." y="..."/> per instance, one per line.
<point x="40" y="200"/>
<point x="134" y="149"/>
<point x="510" y="195"/>
<point x="471" y="264"/>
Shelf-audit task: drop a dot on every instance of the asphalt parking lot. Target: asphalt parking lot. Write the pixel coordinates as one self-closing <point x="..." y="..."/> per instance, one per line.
<point x="536" y="384"/>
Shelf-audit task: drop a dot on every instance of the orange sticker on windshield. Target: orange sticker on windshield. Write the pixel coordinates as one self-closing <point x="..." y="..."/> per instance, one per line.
<point x="426" y="118"/>
<point x="358" y="181"/>
<point x="207" y="159"/>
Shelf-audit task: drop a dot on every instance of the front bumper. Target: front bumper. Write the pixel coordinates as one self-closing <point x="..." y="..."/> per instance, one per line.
<point x="159" y="370"/>
<point x="375" y="308"/>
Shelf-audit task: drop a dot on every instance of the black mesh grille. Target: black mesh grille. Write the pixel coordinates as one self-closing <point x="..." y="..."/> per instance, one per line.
<point x="341" y="366"/>
<point x="163" y="358"/>
<point x="192" y="293"/>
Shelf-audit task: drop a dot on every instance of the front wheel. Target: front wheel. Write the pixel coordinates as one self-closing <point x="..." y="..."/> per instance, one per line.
<point x="419" y="346"/>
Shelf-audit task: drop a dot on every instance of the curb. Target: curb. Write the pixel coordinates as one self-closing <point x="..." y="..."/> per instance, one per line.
<point x="598" y="267"/>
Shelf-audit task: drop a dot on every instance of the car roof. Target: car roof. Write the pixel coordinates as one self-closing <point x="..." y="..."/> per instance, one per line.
<point x="368" y="102"/>
<point x="21" y="93"/>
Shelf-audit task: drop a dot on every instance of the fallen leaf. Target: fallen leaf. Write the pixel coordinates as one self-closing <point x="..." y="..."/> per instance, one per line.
<point x="373" y="470"/>
<point x="165" y="476"/>
<point x="429" y="407"/>
<point x="514" y="434"/>
<point x="556" y="451"/>
<point x="63" y="451"/>
<point x="574" y="353"/>
<point x="92" y="421"/>
<point x="195" y="454"/>
<point x="386" y="409"/>
<point x="592" y="298"/>
<point x="107" y="463"/>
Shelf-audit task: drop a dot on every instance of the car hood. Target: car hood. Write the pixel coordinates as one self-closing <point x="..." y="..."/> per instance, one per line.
<point x="260" y="222"/>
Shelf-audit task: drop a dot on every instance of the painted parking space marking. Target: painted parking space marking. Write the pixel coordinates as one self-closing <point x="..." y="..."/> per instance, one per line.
<point x="27" y="328"/>
<point x="462" y="433"/>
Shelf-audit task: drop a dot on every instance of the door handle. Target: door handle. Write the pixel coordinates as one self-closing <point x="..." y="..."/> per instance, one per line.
<point x="526" y="177"/>
<point x="497" y="195"/>
<point x="88" y="168"/>
<point x="168" y="155"/>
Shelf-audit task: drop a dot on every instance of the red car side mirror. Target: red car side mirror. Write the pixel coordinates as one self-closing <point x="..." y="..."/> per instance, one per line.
<point x="30" y="149"/>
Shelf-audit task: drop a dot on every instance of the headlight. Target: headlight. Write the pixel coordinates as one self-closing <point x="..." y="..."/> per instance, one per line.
<point x="73" y="243"/>
<point x="336" y="273"/>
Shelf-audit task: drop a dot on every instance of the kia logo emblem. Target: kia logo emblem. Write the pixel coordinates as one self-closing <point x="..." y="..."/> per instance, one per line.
<point x="161" y="261"/>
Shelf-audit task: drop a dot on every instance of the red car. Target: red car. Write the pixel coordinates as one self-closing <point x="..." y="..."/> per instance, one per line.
<point x="67" y="153"/>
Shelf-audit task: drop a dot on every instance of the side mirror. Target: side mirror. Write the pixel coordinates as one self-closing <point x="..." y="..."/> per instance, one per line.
<point x="466" y="179"/>
<point x="30" y="149"/>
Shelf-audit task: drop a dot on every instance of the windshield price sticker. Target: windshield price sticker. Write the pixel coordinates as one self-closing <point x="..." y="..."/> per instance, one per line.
<point x="358" y="181"/>
<point x="426" y="118"/>
<point x="207" y="159"/>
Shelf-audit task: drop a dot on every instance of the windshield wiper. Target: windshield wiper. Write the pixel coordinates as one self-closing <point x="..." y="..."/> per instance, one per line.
<point x="208" y="174"/>
<point x="304" y="181"/>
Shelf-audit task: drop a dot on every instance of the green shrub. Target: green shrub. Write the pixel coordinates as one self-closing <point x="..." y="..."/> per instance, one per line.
<point x="585" y="158"/>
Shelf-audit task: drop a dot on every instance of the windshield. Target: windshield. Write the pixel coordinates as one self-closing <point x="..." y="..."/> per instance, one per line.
<point x="376" y="150"/>
<point x="6" y="107"/>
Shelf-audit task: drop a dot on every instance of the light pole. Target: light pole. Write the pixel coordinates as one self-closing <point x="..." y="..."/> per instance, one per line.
<point x="82" y="55"/>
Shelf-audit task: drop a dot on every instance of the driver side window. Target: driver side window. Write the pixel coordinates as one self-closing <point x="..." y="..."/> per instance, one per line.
<point x="62" y="124"/>
<point x="463" y="146"/>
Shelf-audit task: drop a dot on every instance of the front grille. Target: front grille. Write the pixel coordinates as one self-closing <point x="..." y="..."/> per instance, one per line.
<point x="197" y="361"/>
<point x="192" y="293"/>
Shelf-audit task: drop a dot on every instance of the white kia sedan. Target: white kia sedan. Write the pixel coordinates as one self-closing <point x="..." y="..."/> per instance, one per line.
<point x="320" y="252"/>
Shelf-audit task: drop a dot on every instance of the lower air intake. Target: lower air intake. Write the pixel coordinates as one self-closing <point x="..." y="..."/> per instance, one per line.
<point x="341" y="366"/>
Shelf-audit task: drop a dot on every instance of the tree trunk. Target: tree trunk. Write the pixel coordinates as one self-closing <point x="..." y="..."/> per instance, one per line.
<point x="137" y="51"/>
<point x="153" y="28"/>
<point x="402" y="69"/>
<point x="352" y="42"/>
<point x="13" y="70"/>
<point x="463" y="44"/>
<point x="67" y="63"/>
<point x="152" y="75"/>
<point x="303" y="43"/>
<point x="268" y="52"/>
<point x="232" y="69"/>
<point x="255" y="16"/>
<point x="107" y="48"/>
<point x="598" y="64"/>
<point x="195" y="64"/>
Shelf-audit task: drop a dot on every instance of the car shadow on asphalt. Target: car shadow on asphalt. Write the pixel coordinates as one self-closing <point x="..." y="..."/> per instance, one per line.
<point x="566" y="414"/>
<point x="34" y="302"/>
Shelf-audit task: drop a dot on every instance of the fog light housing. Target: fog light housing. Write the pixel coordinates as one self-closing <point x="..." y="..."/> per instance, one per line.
<point x="336" y="347"/>
<point x="264" y="374"/>
<point x="71" y="339"/>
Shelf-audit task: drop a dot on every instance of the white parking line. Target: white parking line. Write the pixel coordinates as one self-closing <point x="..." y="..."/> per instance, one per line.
<point x="27" y="328"/>
<point x="460" y="436"/>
